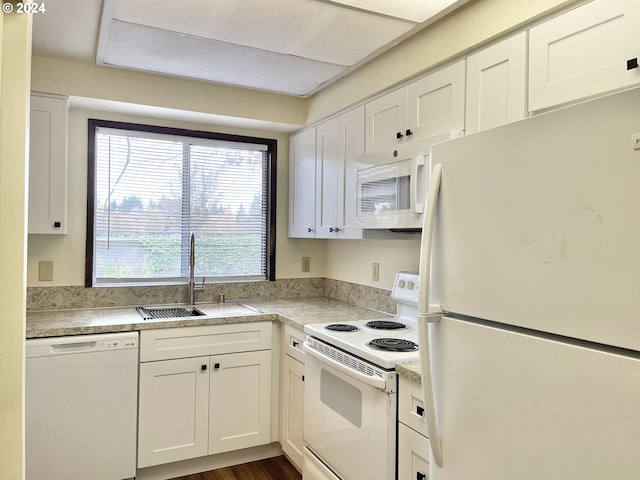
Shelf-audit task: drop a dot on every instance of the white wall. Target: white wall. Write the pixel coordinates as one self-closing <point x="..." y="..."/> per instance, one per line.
<point x="15" y="53"/>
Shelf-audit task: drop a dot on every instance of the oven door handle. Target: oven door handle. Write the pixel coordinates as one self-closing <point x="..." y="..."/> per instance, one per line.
<point x="376" y="382"/>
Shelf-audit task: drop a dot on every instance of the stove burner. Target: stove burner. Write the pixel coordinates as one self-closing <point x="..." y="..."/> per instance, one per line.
<point x="385" y="325"/>
<point x="393" y="345"/>
<point x="341" y="327"/>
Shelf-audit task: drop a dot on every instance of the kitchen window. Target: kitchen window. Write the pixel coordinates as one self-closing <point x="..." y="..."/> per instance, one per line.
<point x="149" y="187"/>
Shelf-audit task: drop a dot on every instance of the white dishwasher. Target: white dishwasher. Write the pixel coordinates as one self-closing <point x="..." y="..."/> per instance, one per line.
<point x="81" y="407"/>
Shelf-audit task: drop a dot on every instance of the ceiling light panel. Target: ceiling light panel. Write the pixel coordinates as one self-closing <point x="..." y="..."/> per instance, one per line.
<point x="162" y="51"/>
<point x="413" y="10"/>
<point x="305" y="28"/>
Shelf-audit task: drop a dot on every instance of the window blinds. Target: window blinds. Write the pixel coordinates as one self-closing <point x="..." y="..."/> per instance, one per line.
<point x="152" y="190"/>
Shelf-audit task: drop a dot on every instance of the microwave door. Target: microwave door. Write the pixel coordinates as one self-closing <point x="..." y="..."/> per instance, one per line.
<point x="388" y="195"/>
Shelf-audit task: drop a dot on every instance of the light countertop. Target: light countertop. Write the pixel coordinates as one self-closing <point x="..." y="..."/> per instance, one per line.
<point x="53" y="323"/>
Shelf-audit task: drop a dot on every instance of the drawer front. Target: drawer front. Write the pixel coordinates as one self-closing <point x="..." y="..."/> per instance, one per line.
<point x="413" y="455"/>
<point x="183" y="342"/>
<point x="293" y="340"/>
<point x="411" y="405"/>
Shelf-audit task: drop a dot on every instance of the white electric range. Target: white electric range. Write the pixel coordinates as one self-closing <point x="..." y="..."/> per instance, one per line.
<point x="350" y="390"/>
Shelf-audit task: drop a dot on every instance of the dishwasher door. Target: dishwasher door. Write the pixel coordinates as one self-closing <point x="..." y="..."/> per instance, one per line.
<point x="81" y="407"/>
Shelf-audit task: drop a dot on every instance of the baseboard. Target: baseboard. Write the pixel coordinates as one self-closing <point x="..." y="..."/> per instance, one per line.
<point x="211" y="462"/>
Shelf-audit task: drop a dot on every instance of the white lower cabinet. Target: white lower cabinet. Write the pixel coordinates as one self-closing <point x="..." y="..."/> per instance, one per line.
<point x="292" y="397"/>
<point x="240" y="401"/>
<point x="173" y="410"/>
<point x="413" y="444"/>
<point x="207" y="404"/>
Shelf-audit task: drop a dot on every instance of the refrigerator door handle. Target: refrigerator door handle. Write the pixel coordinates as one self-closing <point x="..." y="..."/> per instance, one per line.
<point x="429" y="314"/>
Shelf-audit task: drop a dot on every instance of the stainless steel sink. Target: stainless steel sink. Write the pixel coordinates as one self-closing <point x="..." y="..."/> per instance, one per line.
<point x="154" y="313"/>
<point x="211" y="310"/>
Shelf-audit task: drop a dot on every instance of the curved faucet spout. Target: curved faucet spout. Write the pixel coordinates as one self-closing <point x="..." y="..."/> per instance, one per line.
<point x="192" y="264"/>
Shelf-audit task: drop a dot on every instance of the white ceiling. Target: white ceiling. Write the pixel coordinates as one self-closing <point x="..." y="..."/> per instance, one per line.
<point x="294" y="47"/>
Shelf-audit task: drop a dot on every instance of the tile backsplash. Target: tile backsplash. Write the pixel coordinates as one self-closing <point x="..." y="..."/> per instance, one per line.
<point x="56" y="298"/>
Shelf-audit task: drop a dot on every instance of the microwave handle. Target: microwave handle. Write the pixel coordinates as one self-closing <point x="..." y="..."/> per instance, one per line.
<point x="418" y="162"/>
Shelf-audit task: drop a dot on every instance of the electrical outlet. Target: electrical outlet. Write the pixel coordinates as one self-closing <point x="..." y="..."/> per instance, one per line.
<point x="375" y="272"/>
<point x="306" y="264"/>
<point x="45" y="271"/>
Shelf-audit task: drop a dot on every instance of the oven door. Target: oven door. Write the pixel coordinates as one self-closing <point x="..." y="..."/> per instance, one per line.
<point x="349" y="424"/>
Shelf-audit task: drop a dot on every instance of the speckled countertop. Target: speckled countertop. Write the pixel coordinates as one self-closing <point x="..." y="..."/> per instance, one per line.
<point x="410" y="370"/>
<point x="297" y="313"/>
<point x="53" y="323"/>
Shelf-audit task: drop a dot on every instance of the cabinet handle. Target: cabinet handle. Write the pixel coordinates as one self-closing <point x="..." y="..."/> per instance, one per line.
<point x="203" y="368"/>
<point x="57" y="224"/>
<point x="420" y="476"/>
<point x="303" y="378"/>
<point x="420" y="410"/>
<point x="399" y="135"/>
<point x="295" y="344"/>
<point x="408" y="133"/>
<point x="216" y="366"/>
<point x="334" y="229"/>
<point x="632" y="63"/>
<point x="309" y="229"/>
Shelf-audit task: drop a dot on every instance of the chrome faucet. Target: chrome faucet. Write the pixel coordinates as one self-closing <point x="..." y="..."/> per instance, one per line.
<point x="192" y="265"/>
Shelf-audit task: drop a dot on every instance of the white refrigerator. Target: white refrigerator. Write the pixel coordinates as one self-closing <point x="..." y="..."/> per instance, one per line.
<point x="531" y="248"/>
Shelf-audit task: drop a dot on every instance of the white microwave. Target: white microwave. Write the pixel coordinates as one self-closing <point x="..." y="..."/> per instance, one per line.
<point x="391" y="184"/>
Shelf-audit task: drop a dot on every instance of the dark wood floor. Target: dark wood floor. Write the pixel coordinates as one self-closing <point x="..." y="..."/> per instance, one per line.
<point x="276" y="468"/>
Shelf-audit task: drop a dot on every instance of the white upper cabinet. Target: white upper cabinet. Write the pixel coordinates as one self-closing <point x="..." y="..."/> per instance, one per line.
<point x="587" y="51"/>
<point x="350" y="145"/>
<point x="322" y="175"/>
<point x="497" y="84"/>
<point x="302" y="184"/>
<point x="436" y="102"/>
<point x="430" y="105"/>
<point x="386" y="120"/>
<point x="48" y="164"/>
<point x="327" y="188"/>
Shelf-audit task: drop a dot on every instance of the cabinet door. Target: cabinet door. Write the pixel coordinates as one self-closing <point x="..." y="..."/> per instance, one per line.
<point x="292" y="410"/>
<point x="496" y="84"/>
<point x="413" y="452"/>
<point x="240" y="401"/>
<point x="48" y="165"/>
<point x="173" y="410"/>
<point x="436" y="102"/>
<point x="350" y="145"/>
<point x="328" y="190"/>
<point x="302" y="184"/>
<point x="385" y="119"/>
<point x="584" y="52"/>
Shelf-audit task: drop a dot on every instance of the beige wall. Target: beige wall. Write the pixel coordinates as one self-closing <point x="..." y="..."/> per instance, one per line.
<point x="15" y="43"/>
<point x="67" y="251"/>
<point x="478" y="22"/>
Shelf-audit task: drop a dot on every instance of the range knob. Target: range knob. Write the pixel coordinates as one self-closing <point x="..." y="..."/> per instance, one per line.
<point x="410" y="285"/>
<point x="401" y="283"/>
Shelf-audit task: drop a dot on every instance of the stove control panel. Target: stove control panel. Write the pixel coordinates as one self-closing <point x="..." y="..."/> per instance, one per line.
<point x="405" y="288"/>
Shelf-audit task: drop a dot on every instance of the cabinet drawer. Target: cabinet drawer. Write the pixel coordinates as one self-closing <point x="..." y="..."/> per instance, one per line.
<point x="168" y="343"/>
<point x="294" y="339"/>
<point x="413" y="454"/>
<point x="411" y="405"/>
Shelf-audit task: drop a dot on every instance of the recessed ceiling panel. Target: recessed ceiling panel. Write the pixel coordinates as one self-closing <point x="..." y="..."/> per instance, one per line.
<point x="413" y="10"/>
<point x="156" y="50"/>
<point x="306" y="28"/>
<point x="67" y="32"/>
